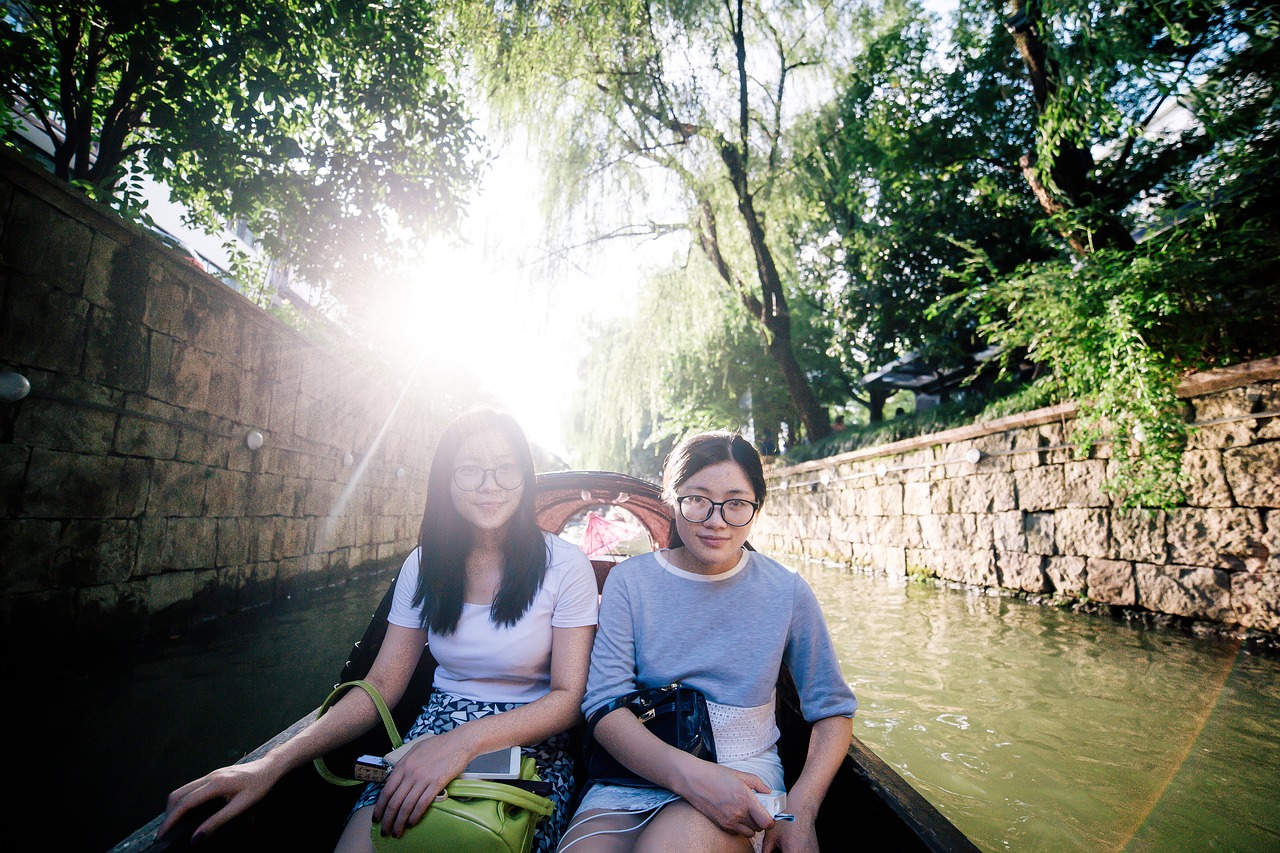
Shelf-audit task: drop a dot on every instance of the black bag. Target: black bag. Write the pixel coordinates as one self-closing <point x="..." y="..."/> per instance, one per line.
<point x="675" y="713"/>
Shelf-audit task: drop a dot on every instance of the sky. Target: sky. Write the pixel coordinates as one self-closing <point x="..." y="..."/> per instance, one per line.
<point x="519" y="330"/>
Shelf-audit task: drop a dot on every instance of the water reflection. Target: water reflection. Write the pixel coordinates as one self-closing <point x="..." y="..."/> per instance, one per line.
<point x="1036" y="729"/>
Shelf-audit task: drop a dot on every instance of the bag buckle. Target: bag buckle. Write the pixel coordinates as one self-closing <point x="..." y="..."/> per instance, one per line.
<point x="647" y="714"/>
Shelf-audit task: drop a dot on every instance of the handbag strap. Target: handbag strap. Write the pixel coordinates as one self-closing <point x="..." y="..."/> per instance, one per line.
<point x="461" y="789"/>
<point x="387" y="721"/>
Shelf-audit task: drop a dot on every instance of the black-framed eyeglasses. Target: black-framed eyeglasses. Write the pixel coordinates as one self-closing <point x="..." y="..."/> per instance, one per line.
<point x="736" y="512"/>
<point x="471" y="477"/>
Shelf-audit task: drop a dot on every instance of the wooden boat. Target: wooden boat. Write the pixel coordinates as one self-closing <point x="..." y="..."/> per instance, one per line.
<point x="868" y="804"/>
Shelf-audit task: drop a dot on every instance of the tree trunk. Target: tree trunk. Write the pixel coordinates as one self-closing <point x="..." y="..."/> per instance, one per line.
<point x="1070" y="174"/>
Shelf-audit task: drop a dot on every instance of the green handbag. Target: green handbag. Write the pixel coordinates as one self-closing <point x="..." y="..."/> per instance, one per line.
<point x="475" y="815"/>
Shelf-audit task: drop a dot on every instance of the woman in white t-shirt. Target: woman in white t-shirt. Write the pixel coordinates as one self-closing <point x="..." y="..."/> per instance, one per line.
<point x="510" y="613"/>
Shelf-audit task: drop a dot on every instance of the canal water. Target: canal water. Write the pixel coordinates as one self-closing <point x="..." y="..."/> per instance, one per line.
<point x="1030" y="728"/>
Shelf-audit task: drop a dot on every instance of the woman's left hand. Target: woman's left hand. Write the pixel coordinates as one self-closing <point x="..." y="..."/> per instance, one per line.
<point x="798" y="836"/>
<point x="418" y="778"/>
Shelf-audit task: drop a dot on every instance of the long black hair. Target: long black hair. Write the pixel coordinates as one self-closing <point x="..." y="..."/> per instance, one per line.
<point x="445" y="538"/>
<point x="699" y="451"/>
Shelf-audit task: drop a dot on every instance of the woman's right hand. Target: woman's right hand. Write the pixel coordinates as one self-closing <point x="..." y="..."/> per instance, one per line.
<point x="239" y="786"/>
<point x="418" y="777"/>
<point x="726" y="796"/>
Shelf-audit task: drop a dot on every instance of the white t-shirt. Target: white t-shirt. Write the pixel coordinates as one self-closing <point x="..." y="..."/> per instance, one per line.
<point x="488" y="663"/>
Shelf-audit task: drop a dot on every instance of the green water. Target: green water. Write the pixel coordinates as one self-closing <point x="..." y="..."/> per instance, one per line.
<point x="1036" y="729"/>
<point x="1030" y="728"/>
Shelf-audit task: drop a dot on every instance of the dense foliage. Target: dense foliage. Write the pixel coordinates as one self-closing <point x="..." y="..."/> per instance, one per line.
<point x="327" y="127"/>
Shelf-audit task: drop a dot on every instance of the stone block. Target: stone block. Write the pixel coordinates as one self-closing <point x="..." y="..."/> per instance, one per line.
<point x="1222" y="404"/>
<point x="1111" y="581"/>
<point x="186" y="382"/>
<point x="884" y="500"/>
<point x="116" y="351"/>
<point x="984" y="493"/>
<point x="267" y="538"/>
<point x="190" y="543"/>
<point x="226" y="492"/>
<point x="1007" y="532"/>
<point x="170" y="589"/>
<point x="96" y="551"/>
<point x="1221" y="538"/>
<point x="228" y="388"/>
<point x="64" y="426"/>
<point x="1255" y="599"/>
<point x="295" y="537"/>
<point x="235" y="542"/>
<point x="1026" y="444"/>
<point x="1068" y="575"/>
<point x="1039" y="489"/>
<point x="43" y="242"/>
<point x="1253" y="474"/>
<point x="166" y="309"/>
<point x="116" y="279"/>
<point x="1138" y="535"/>
<point x="62" y="485"/>
<point x="28" y="555"/>
<point x="1205" y="479"/>
<point x="1083" y="481"/>
<point x="151" y="545"/>
<point x="1038" y="528"/>
<point x="1025" y="572"/>
<point x="44" y="328"/>
<point x="266" y="495"/>
<point x="1083" y="532"/>
<point x="177" y="489"/>
<point x="1198" y="592"/>
<point x="139" y="436"/>
<point x="915" y="498"/>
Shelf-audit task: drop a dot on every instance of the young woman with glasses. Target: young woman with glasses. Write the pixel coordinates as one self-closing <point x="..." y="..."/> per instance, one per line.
<point x="509" y="611"/>
<point x="711" y="614"/>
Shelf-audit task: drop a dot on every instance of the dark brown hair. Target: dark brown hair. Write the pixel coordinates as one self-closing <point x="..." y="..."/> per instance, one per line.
<point x="445" y="537"/>
<point x="699" y="451"/>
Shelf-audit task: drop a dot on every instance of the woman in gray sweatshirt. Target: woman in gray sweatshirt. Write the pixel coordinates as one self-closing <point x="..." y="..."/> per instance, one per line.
<point x="712" y="615"/>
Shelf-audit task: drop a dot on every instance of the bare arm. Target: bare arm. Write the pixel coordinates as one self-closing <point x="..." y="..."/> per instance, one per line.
<point x="828" y="745"/>
<point x="436" y="761"/>
<point x="241" y="785"/>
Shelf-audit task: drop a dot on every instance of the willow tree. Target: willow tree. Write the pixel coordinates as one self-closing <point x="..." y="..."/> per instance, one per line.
<point x="328" y="128"/>
<point x="696" y="100"/>
<point x="684" y="361"/>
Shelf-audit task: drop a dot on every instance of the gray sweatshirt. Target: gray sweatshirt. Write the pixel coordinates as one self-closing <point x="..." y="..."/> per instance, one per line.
<point x="726" y="635"/>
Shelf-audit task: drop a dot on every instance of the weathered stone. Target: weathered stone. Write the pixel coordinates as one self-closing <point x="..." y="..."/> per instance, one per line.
<point x="1225" y="538"/>
<point x="1023" y="571"/>
<point x="13" y="476"/>
<point x="235" y="542"/>
<point x="1223" y="404"/>
<point x="190" y="543"/>
<point x="1255" y="597"/>
<point x="1068" y="575"/>
<point x="1008" y="533"/>
<point x="266" y="495"/>
<point x="64" y="426"/>
<point x="1039" y="489"/>
<point x="62" y="485"/>
<point x="1111" y="581"/>
<point x="27" y="557"/>
<point x="1038" y="529"/>
<point x="294" y="537"/>
<point x="116" y="351"/>
<point x="985" y="493"/>
<point x="96" y="551"/>
<point x="43" y="242"/>
<point x="915" y="498"/>
<point x="143" y="437"/>
<point x="226" y="492"/>
<point x="1138" y="535"/>
<point x="170" y="588"/>
<point x="1251" y="473"/>
<point x="44" y="328"/>
<point x="1083" y="481"/>
<point x="1205" y="479"/>
<point x="1083" y="532"/>
<point x="1197" y="592"/>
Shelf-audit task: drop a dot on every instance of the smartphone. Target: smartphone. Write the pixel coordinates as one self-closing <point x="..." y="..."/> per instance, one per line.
<point x="500" y="764"/>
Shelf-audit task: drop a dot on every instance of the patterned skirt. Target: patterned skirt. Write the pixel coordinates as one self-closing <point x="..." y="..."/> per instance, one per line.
<point x="444" y="712"/>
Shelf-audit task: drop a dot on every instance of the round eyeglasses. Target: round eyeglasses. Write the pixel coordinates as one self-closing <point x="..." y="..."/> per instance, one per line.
<point x="736" y="512"/>
<point x="471" y="477"/>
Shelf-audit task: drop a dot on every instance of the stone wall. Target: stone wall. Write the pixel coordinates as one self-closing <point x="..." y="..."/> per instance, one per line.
<point x="130" y="497"/>
<point x="1008" y="505"/>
